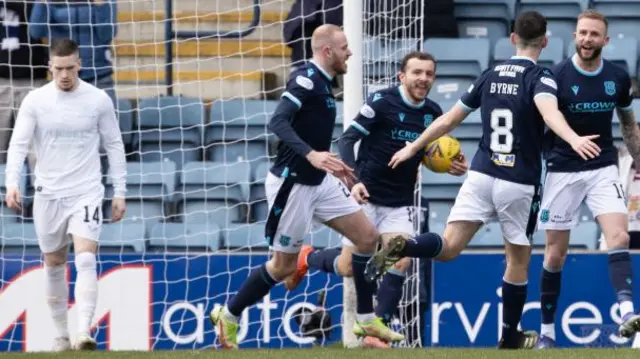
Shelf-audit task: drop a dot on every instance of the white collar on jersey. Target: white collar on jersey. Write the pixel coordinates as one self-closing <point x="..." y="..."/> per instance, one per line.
<point x="523" y="58"/>
<point x="406" y="100"/>
<point x="574" y="61"/>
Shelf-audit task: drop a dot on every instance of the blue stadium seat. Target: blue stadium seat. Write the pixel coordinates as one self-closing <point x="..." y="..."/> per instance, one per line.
<point x="555" y="8"/>
<point x="561" y="15"/>
<point x="125" y="119"/>
<point x="245" y="236"/>
<point x="552" y="54"/>
<point x="484" y="18"/>
<point x="182" y="237"/>
<point x="150" y="190"/>
<point x="9" y="215"/>
<point x="585" y="235"/>
<point x="440" y="186"/>
<point x="323" y="237"/>
<point x="123" y="236"/>
<point x="257" y="197"/>
<point x="449" y="89"/>
<point x="438" y="213"/>
<point x="459" y="58"/>
<point x="238" y="130"/>
<point x="621" y="51"/>
<point x="382" y="57"/>
<point x="17" y="237"/>
<point x="489" y="236"/>
<point x="170" y="127"/>
<point x="614" y="10"/>
<point x="214" y="191"/>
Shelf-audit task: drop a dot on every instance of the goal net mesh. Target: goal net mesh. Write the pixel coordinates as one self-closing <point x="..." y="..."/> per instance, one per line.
<point x="197" y="159"/>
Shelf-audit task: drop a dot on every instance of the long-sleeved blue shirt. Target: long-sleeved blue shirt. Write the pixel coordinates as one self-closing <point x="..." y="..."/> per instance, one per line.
<point x="92" y="26"/>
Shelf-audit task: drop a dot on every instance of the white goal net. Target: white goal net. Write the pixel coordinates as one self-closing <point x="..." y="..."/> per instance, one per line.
<point x="194" y="94"/>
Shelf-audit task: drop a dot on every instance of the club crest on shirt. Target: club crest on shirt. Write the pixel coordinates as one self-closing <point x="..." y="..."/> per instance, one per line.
<point x="428" y="118"/>
<point x="610" y="88"/>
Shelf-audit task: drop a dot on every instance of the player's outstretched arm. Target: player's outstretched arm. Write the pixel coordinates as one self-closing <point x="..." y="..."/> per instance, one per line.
<point x="440" y="127"/>
<point x="630" y="133"/>
<point x="23" y="131"/>
<point x="548" y="107"/>
<point x="111" y="139"/>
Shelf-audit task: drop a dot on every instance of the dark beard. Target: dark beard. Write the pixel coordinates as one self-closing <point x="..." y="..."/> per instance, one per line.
<point x="596" y="53"/>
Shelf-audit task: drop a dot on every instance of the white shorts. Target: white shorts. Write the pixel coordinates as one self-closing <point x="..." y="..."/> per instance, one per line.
<point x="304" y="205"/>
<point x="55" y="220"/>
<point x="564" y="192"/>
<point x="388" y="220"/>
<point x="483" y="198"/>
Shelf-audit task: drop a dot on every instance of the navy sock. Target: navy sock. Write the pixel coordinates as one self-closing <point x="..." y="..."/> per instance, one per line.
<point x="549" y="292"/>
<point x="364" y="288"/>
<point x="389" y="294"/>
<point x="621" y="274"/>
<point x="324" y="259"/>
<point x="425" y="245"/>
<point x="513" y="297"/>
<point x="257" y="285"/>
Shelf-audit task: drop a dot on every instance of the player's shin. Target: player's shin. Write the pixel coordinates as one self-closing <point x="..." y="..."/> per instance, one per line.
<point x="550" y="283"/>
<point x="86" y="289"/>
<point x="325" y="260"/>
<point x="514" y="296"/>
<point x="389" y="294"/>
<point x="364" y="288"/>
<point x="57" y="292"/>
<point x="257" y="285"/>
<point x="425" y="245"/>
<point x="620" y="273"/>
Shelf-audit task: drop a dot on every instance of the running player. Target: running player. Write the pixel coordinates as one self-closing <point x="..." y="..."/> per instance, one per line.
<point x="503" y="182"/>
<point x="303" y="186"/>
<point x="385" y="123"/>
<point x="589" y="89"/>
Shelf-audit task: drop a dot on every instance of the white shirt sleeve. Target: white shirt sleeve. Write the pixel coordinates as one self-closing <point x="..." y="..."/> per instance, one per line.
<point x="111" y="139"/>
<point x="23" y="132"/>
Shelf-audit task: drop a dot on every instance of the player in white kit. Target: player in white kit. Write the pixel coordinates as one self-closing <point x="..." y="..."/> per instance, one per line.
<point x="67" y="119"/>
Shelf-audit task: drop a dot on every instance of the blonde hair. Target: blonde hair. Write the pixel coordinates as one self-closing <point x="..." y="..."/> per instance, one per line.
<point x="594" y="15"/>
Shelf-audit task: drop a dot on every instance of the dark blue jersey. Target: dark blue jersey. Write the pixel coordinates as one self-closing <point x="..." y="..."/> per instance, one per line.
<point x="308" y="128"/>
<point x="385" y="123"/>
<point x="512" y="127"/>
<point x="587" y="100"/>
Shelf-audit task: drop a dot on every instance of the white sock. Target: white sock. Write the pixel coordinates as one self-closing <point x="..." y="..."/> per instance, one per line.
<point x="228" y="316"/>
<point x="365" y="317"/>
<point x="636" y="342"/>
<point x="86" y="291"/>
<point x="626" y="307"/>
<point x="548" y="330"/>
<point x="57" y="292"/>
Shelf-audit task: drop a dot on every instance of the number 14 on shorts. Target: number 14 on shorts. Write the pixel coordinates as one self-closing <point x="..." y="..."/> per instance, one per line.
<point x="95" y="216"/>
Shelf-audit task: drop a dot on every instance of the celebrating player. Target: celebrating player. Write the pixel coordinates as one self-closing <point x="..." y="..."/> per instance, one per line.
<point x="503" y="180"/>
<point x="386" y="122"/>
<point x="590" y="87"/>
<point x="303" y="186"/>
<point x="67" y="119"/>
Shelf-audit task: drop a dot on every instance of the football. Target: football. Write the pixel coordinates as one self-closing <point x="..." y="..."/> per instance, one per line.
<point x="439" y="154"/>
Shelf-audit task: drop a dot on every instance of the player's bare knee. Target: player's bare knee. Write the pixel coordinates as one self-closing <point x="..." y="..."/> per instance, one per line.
<point x="367" y="240"/>
<point x="57" y="258"/>
<point x="554" y="258"/>
<point x="281" y="265"/>
<point x="344" y="263"/>
<point x="618" y="240"/>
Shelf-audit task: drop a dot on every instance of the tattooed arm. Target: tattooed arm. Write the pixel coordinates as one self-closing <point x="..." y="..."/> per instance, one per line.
<point x="630" y="134"/>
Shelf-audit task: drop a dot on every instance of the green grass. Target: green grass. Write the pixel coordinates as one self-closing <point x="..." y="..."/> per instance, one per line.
<point x="319" y="353"/>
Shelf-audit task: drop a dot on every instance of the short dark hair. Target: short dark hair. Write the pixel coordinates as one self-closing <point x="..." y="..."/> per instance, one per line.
<point x="423" y="56"/>
<point x="531" y="27"/>
<point x="63" y="47"/>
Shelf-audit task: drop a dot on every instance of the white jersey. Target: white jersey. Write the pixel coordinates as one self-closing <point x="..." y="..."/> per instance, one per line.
<point x="66" y="129"/>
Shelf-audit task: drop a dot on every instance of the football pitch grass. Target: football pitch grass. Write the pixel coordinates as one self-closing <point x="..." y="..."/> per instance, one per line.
<point x="321" y="353"/>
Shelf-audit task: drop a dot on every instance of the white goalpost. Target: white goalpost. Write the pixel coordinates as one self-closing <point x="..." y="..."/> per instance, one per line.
<point x="196" y="83"/>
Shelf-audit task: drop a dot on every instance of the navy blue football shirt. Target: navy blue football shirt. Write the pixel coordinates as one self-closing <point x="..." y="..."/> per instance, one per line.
<point x="512" y="128"/>
<point x="587" y="100"/>
<point x="304" y="121"/>
<point x="385" y="123"/>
